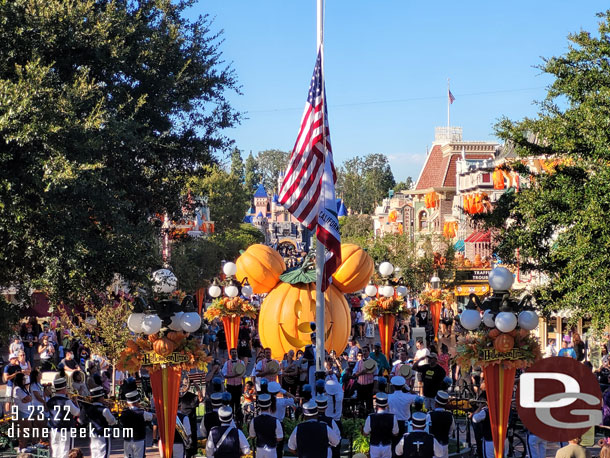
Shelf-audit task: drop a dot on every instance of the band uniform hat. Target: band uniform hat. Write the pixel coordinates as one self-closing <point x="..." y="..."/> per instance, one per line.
<point x="406" y="371"/>
<point x="239" y="368"/>
<point x="216" y="399"/>
<point x="264" y="400"/>
<point x="381" y="399"/>
<point x="360" y="455"/>
<point x="60" y="383"/>
<point x="418" y="420"/>
<point x="13" y="356"/>
<point x="225" y="414"/>
<point x="310" y="409"/>
<point x="442" y="398"/>
<point x="97" y="392"/>
<point x="226" y="398"/>
<point x="274" y="387"/>
<point x="321" y="402"/>
<point x="273" y="367"/>
<point x="133" y="397"/>
<point x="370" y="365"/>
<point x="398" y="381"/>
<point x="332" y="388"/>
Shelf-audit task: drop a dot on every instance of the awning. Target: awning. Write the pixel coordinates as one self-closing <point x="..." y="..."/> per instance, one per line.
<point x="459" y="246"/>
<point x="479" y="237"/>
<point x="467" y="290"/>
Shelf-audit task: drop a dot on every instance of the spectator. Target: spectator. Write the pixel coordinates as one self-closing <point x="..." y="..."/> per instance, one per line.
<point x="68" y="364"/>
<point x="46" y="351"/>
<point x="432" y="379"/>
<point x="16" y="345"/>
<point x="26" y="368"/>
<point x="422" y="316"/>
<point x="551" y="349"/>
<point x="352" y="350"/>
<point x="446" y="320"/>
<point x="360" y="323"/>
<point x="381" y="360"/>
<point x="10" y="372"/>
<point x="369" y="332"/>
<point x="30" y="341"/>
<point x="444" y="357"/>
<point x="579" y="347"/>
<point x="573" y="450"/>
<point x="22" y="399"/>
<point x="566" y="350"/>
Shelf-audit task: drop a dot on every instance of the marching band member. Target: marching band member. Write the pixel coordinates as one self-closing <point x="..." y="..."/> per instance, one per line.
<point x="226" y="441"/>
<point x="267" y="368"/>
<point x="418" y="443"/>
<point x="382" y="427"/>
<point x="62" y="415"/>
<point x="211" y="419"/>
<point x="98" y="415"/>
<point x="441" y="422"/>
<point x="312" y="438"/>
<point x="278" y="407"/>
<point x="233" y="371"/>
<point x="399" y="403"/>
<point x="322" y="403"/>
<point x="266" y="429"/>
<point x="135" y="417"/>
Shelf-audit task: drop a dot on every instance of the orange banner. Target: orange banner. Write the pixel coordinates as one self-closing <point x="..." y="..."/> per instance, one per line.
<point x="499" y="387"/>
<point x="435" y="311"/>
<point x="200" y="297"/>
<point x="166" y="390"/>
<point x="231" y="327"/>
<point x="386" y="329"/>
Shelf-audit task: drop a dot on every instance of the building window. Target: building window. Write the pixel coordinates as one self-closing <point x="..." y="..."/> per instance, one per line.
<point x="423" y="220"/>
<point x="486" y="178"/>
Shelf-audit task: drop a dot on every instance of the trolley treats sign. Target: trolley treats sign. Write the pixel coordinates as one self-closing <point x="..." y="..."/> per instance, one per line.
<point x="559" y="399"/>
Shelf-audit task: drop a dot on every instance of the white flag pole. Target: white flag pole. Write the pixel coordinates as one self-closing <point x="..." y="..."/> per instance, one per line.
<point x="320" y="251"/>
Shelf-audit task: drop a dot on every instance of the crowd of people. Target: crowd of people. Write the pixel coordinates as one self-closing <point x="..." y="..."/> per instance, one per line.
<point x="249" y="394"/>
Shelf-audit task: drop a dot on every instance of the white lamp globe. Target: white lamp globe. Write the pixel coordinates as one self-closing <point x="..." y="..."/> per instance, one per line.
<point x="435" y="282"/>
<point x="230" y="269"/>
<point x="506" y="321"/>
<point x="246" y="291"/>
<point x="528" y="319"/>
<point x="231" y="290"/>
<point x="176" y="324"/>
<point x="387" y="291"/>
<point x="190" y="321"/>
<point x="164" y="281"/>
<point x="151" y="324"/>
<point x="386" y="269"/>
<point x="134" y="322"/>
<point x="488" y="319"/>
<point x="401" y="290"/>
<point x="470" y="319"/>
<point x="370" y="290"/>
<point x="501" y="279"/>
<point x="214" y="291"/>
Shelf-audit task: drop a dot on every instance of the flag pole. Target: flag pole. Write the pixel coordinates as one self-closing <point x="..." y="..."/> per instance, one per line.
<point x="448" y="105"/>
<point x="320" y="249"/>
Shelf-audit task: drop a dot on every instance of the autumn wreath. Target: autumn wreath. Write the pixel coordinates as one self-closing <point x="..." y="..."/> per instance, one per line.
<point x="382" y="306"/>
<point x="230" y="307"/>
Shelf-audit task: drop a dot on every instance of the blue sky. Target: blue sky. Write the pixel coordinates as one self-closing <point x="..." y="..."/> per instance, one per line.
<point x="386" y="68"/>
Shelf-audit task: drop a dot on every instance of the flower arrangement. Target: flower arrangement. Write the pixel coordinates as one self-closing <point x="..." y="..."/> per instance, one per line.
<point x="153" y="349"/>
<point x="516" y="349"/>
<point x="230" y="307"/>
<point x="429" y="296"/>
<point x="382" y="306"/>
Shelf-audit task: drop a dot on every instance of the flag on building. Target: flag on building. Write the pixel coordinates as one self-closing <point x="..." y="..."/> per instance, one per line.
<point x="451" y="97"/>
<point x="308" y="189"/>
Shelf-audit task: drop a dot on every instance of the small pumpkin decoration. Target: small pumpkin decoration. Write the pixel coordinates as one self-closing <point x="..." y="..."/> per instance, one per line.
<point x="164" y="346"/>
<point x="504" y="343"/>
<point x="477" y="261"/>
<point x="355" y="270"/>
<point x="177" y="337"/>
<point x="262" y="266"/>
<point x="494" y="333"/>
<point x="153" y="338"/>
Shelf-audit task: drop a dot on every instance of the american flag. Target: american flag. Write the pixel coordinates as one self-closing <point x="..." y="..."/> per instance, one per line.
<point x="308" y="189"/>
<point x="451" y="97"/>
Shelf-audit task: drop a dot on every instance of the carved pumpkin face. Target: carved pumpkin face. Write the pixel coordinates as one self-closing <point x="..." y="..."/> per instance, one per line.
<point x="288" y="310"/>
<point x="163" y="346"/>
<point x="504" y="343"/>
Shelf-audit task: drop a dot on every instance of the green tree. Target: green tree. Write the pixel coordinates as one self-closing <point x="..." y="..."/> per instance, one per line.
<point x="252" y="175"/>
<point x="105" y="106"/>
<point x="196" y="261"/>
<point x="271" y="163"/>
<point x="227" y="198"/>
<point x="557" y="223"/>
<point x="404" y="185"/>
<point x="237" y="165"/>
<point x="364" y="182"/>
<point x="356" y="226"/>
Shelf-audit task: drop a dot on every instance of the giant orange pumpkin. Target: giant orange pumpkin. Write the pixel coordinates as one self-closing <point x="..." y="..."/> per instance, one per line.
<point x="262" y="266"/>
<point x="355" y="270"/>
<point x="288" y="310"/>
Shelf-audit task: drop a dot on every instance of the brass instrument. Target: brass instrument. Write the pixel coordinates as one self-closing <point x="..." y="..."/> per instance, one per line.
<point x="185" y="437"/>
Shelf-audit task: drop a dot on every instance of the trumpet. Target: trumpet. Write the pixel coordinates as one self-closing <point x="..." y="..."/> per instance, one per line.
<point x="182" y="431"/>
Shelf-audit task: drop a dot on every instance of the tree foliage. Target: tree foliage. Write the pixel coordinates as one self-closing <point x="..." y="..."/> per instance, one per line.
<point x="404" y="185"/>
<point x="104" y="107"/>
<point x="557" y="224"/>
<point x="196" y="261"/>
<point x="252" y="175"/>
<point x="364" y="182"/>
<point x="270" y="163"/>
<point x="356" y="226"/>
<point x="227" y="198"/>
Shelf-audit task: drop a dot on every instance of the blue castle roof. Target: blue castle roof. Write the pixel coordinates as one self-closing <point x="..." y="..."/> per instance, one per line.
<point x="260" y="191"/>
<point x="342" y="210"/>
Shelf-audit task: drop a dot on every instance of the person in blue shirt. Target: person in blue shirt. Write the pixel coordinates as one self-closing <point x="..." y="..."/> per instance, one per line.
<point x="566" y="351"/>
<point x="381" y="360"/>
